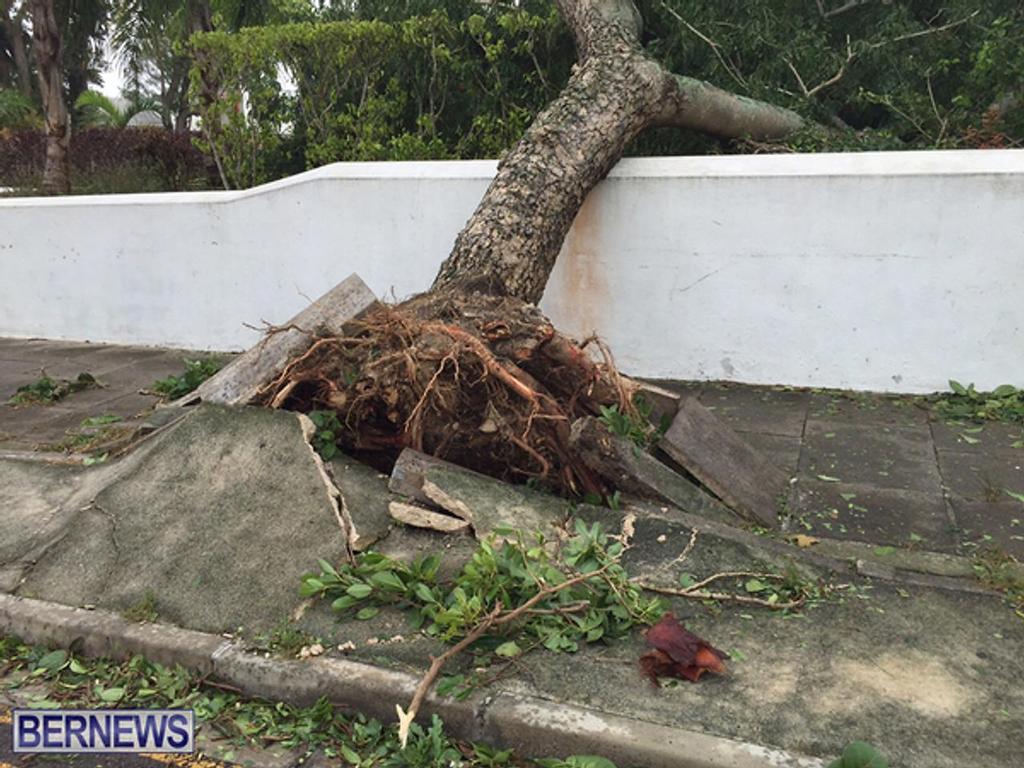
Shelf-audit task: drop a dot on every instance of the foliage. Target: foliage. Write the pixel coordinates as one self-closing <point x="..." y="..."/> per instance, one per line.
<point x="108" y="160"/>
<point x="893" y="75"/>
<point x="1000" y="571"/>
<point x="17" y="112"/>
<point x="423" y="80"/>
<point x="636" y="426"/>
<point x="603" y="607"/>
<point x="427" y="87"/>
<point x="196" y="372"/>
<point x="91" y="436"/>
<point x="1004" y="403"/>
<point x="46" y="391"/>
<point x="96" y="110"/>
<point x="71" y="681"/>
<point x="325" y="439"/>
<point x="859" y="754"/>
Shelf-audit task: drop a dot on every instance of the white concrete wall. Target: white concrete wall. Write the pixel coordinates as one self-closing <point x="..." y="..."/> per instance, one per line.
<point x="884" y="271"/>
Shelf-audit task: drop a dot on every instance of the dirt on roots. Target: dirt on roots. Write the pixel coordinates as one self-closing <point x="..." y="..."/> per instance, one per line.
<point x="482" y="381"/>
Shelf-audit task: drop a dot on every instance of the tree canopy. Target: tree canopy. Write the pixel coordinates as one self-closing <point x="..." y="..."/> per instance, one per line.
<point x="304" y="82"/>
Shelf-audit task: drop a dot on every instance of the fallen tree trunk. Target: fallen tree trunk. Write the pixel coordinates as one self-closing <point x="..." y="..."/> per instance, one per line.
<point x="471" y="371"/>
<point x="616" y="91"/>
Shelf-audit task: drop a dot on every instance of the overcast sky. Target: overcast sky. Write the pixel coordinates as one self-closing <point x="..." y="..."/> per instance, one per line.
<point x="113" y="80"/>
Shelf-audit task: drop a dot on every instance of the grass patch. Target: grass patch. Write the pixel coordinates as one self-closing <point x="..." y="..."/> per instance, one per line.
<point x="195" y="373"/>
<point x="144" y="609"/>
<point x="283" y="640"/>
<point x="47" y="391"/>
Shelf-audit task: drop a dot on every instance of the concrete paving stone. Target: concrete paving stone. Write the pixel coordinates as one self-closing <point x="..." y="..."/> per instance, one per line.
<point x="758" y="409"/>
<point x="38" y="423"/>
<point x="781" y="450"/>
<point x="9" y="342"/>
<point x="987" y="523"/>
<point x="982" y="476"/>
<point x="38" y="348"/>
<point x="982" y="438"/>
<point x="10" y="380"/>
<point x="876" y="515"/>
<point x="867" y="408"/>
<point x="878" y="455"/>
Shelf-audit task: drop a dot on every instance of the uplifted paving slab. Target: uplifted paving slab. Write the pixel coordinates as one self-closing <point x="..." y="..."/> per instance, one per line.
<point x="212" y="523"/>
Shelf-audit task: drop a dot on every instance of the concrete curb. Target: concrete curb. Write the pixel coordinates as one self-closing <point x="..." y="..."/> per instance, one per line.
<point x="529" y="724"/>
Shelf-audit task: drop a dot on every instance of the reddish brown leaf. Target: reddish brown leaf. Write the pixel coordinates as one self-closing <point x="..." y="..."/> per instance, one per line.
<point x="679" y="653"/>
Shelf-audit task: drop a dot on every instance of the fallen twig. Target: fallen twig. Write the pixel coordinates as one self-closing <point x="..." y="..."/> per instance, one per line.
<point x="496" y="617"/>
<point x="727" y="597"/>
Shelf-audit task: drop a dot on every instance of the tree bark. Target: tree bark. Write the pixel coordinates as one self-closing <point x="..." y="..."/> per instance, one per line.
<point x="16" y="38"/>
<point x="616" y="90"/>
<point x="47" y="48"/>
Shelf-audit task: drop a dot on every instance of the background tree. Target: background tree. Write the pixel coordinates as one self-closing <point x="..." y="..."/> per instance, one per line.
<point x="47" y="47"/>
<point x="14" y="61"/>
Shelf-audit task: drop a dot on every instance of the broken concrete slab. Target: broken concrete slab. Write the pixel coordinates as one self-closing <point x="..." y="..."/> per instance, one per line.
<point x="217" y="525"/>
<point x="723" y="461"/>
<point x="239" y="381"/>
<point x="664" y="403"/>
<point x="636" y="472"/>
<point x="365" y="491"/>
<point x="421" y="517"/>
<point x="38" y="501"/>
<point x="488" y="504"/>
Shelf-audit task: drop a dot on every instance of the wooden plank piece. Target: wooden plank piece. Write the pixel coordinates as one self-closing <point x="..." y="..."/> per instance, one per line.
<point x="239" y="381"/>
<point x="731" y="468"/>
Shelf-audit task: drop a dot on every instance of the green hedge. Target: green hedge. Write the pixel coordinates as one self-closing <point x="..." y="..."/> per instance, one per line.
<point x="914" y="75"/>
<point x="422" y="88"/>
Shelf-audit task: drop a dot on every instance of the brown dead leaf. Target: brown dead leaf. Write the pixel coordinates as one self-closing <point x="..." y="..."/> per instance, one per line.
<point x="679" y="653"/>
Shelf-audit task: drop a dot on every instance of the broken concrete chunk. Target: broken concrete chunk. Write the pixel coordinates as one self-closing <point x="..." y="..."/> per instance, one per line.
<point x="366" y="498"/>
<point x="723" y="461"/>
<point x="634" y="471"/>
<point x="241" y="379"/>
<point x="421" y="517"/>
<point x="488" y="504"/>
<point x="663" y="403"/>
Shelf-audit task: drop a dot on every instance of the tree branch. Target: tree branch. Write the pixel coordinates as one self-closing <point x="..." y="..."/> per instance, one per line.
<point x="701" y="106"/>
<point x="733" y="72"/>
<point x="810" y="92"/>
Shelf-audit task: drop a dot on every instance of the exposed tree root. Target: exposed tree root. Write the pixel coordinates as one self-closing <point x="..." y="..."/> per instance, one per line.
<point x="482" y="381"/>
